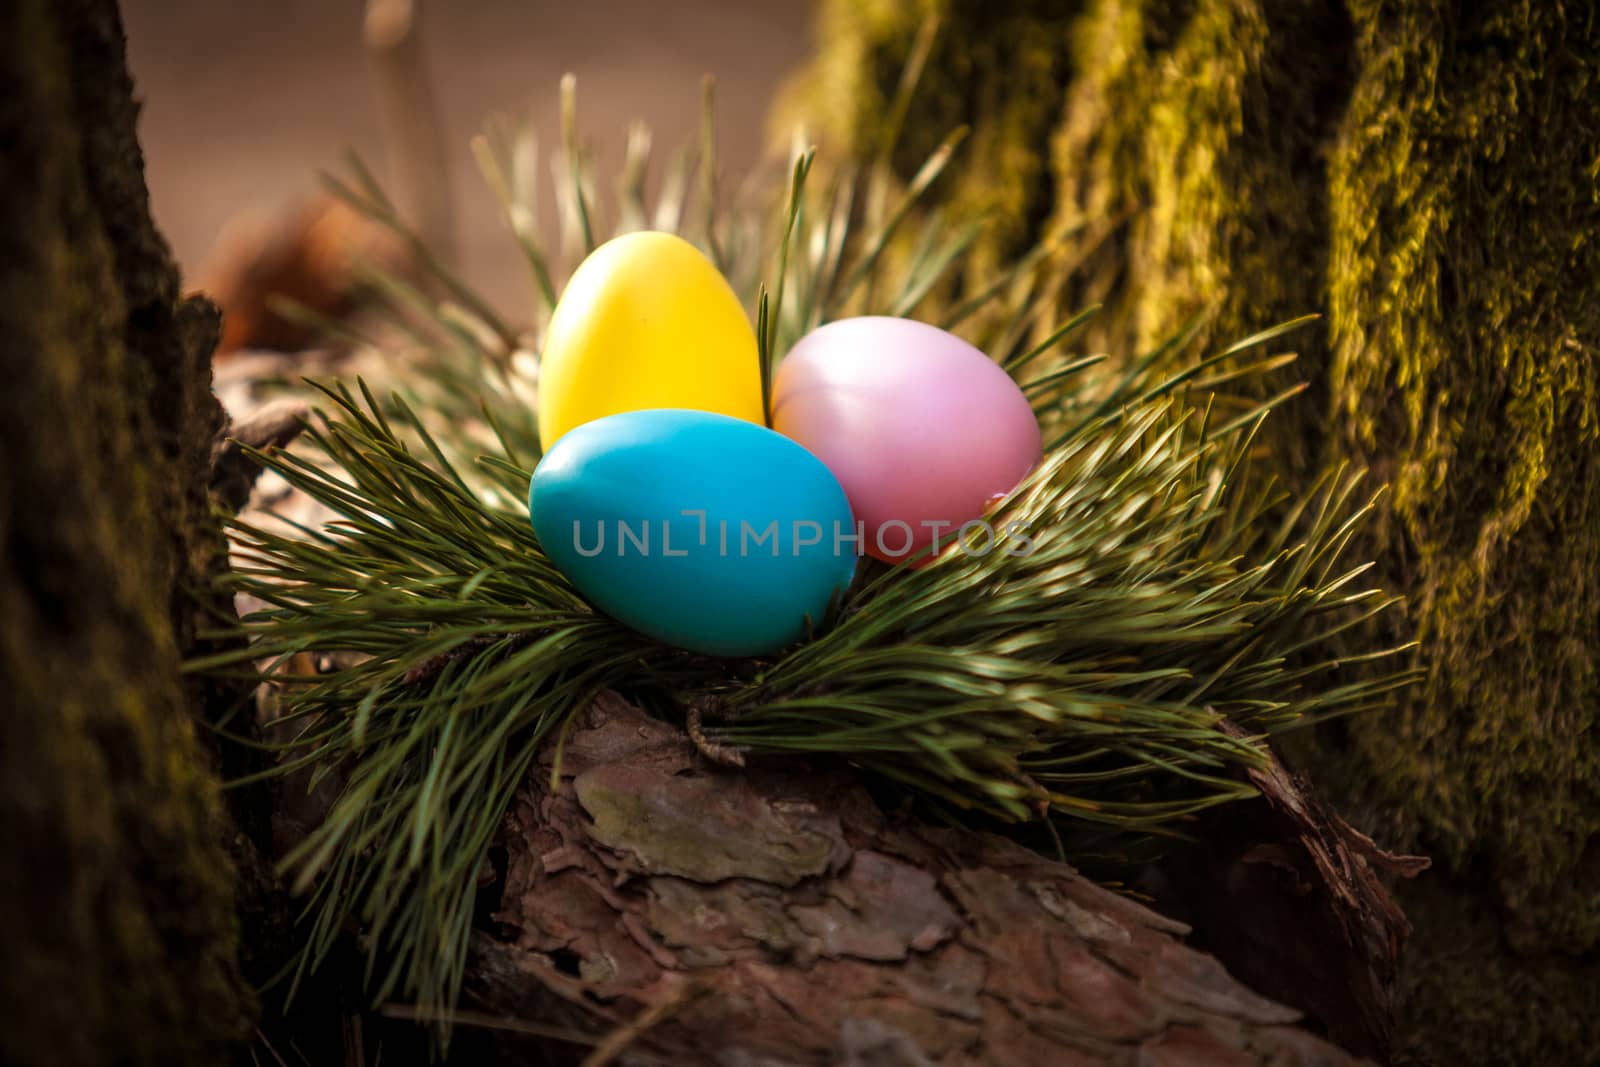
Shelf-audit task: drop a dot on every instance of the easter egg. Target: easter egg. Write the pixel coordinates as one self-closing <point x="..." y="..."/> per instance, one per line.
<point x="923" y="430"/>
<point x="646" y="322"/>
<point x="701" y="530"/>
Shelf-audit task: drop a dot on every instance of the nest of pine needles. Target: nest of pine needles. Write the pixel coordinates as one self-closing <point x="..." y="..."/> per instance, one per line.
<point x="1170" y="591"/>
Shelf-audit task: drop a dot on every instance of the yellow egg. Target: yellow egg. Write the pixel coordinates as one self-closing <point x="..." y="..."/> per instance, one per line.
<point x="647" y="321"/>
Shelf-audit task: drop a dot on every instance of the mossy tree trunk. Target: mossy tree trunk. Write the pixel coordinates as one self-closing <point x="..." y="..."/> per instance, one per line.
<point x="1424" y="173"/>
<point x="117" y="919"/>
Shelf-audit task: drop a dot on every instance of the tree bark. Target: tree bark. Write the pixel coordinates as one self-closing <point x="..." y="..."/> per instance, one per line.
<point x="118" y="929"/>
<point x="774" y="915"/>
<point x="1423" y="173"/>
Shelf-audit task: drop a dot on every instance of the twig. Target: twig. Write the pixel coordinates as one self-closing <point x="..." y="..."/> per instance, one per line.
<point x="410" y="121"/>
<point x="694" y="723"/>
<point x="354" y="1047"/>
<point x="233" y="469"/>
<point x="262" y="1037"/>
<point x="430" y="669"/>
<point x="618" y="1041"/>
<point x="418" y="1013"/>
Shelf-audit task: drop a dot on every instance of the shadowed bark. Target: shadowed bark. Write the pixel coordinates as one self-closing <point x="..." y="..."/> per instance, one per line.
<point x="117" y="923"/>
<point x="1287" y="893"/>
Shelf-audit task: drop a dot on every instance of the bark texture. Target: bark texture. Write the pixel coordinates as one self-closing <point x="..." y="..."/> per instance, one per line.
<point x="775" y="916"/>
<point x="117" y="924"/>
<point x="1291" y="896"/>
<point x="1425" y="174"/>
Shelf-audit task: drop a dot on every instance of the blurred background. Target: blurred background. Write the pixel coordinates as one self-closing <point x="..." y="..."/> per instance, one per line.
<point x="245" y="102"/>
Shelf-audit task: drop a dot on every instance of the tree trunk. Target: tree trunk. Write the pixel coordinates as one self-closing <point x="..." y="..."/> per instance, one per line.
<point x="1423" y="173"/>
<point x="118" y="929"/>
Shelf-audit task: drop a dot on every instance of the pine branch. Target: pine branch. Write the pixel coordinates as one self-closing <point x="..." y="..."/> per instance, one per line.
<point x="1171" y="600"/>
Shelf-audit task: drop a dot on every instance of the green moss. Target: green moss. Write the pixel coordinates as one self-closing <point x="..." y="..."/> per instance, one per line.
<point x="1465" y="305"/>
<point x="1426" y="174"/>
<point x="1477" y="1003"/>
<point x="997" y="68"/>
<point x="1188" y="156"/>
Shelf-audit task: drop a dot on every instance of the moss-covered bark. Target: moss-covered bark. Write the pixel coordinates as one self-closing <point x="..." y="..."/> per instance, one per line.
<point x="117" y="925"/>
<point x="1426" y="173"/>
<point x="996" y="68"/>
<point x="1464" y="293"/>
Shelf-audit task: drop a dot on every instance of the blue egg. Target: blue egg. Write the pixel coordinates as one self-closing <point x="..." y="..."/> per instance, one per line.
<point x="704" y="531"/>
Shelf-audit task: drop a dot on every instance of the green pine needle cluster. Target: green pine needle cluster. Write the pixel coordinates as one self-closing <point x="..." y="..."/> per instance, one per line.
<point x="1169" y="593"/>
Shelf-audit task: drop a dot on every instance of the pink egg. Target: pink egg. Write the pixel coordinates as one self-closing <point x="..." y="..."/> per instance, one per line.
<point x="922" y="429"/>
